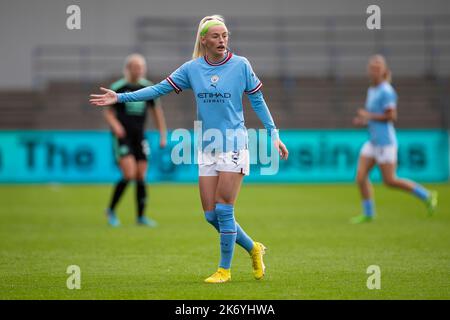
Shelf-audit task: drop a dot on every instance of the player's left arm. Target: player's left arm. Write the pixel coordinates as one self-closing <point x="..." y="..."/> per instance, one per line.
<point x="160" y="122"/>
<point x="262" y="111"/>
<point x="253" y="90"/>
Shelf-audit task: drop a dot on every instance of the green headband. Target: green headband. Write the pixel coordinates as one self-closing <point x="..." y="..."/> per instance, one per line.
<point x="210" y="24"/>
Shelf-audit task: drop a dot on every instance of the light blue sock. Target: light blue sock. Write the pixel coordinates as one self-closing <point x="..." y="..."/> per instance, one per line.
<point x="420" y="192"/>
<point x="368" y="207"/>
<point x="242" y="238"/>
<point x="227" y="227"/>
<point x="211" y="217"/>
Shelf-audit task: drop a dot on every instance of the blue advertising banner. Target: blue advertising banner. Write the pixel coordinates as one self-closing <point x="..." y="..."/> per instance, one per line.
<point x="332" y="155"/>
<point x="315" y="156"/>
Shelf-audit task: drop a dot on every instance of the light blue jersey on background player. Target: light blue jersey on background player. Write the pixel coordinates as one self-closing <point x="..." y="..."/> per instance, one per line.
<point x="379" y="114"/>
<point x="382" y="144"/>
<point x="380" y="99"/>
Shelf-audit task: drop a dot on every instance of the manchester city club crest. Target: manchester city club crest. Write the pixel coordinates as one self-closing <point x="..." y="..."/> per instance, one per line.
<point x="215" y="78"/>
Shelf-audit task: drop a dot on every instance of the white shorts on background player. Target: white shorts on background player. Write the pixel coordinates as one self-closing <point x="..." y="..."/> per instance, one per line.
<point x="381" y="154"/>
<point x="234" y="161"/>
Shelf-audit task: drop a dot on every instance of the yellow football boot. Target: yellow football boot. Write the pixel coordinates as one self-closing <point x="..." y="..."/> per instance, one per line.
<point x="257" y="260"/>
<point x="220" y="276"/>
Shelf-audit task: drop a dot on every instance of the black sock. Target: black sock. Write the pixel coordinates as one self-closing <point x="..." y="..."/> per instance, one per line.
<point x="118" y="191"/>
<point x="141" y="197"/>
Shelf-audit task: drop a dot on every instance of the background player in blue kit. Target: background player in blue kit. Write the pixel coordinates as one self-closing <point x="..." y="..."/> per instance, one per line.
<point x="218" y="79"/>
<point x="381" y="149"/>
<point x="127" y="122"/>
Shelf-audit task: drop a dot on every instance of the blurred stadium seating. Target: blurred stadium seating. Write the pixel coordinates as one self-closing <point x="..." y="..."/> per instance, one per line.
<point x="313" y="70"/>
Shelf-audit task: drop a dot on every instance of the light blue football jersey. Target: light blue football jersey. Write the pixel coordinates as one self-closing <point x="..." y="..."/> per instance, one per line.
<point x="379" y="99"/>
<point x="218" y="89"/>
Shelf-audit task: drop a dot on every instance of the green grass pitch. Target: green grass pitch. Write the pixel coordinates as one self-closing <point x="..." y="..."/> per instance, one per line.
<point x="313" y="252"/>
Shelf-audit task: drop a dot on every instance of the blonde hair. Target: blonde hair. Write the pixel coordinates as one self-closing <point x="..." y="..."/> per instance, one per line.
<point x="131" y="58"/>
<point x="199" y="50"/>
<point x="380" y="58"/>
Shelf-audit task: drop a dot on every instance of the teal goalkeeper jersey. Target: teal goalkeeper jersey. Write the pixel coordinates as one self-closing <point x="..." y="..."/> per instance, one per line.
<point x="218" y="89"/>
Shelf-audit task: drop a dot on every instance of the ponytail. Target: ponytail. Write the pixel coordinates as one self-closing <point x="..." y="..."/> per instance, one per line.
<point x="199" y="50"/>
<point x="388" y="75"/>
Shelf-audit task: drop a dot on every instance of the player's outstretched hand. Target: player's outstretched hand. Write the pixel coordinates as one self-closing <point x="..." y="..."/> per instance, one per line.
<point x="108" y="98"/>
<point x="282" y="150"/>
<point x="359" y="122"/>
<point x="362" y="113"/>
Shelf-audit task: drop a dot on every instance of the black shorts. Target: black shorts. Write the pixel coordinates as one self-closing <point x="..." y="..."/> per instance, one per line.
<point x="135" y="145"/>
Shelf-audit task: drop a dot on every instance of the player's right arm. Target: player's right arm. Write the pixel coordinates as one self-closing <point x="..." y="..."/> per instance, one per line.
<point x="177" y="81"/>
<point x="389" y="106"/>
<point x="359" y="121"/>
<point x="390" y="114"/>
<point x="149" y="93"/>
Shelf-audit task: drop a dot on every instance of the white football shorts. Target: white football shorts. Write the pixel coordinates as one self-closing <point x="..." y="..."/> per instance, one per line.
<point x="234" y="161"/>
<point x="381" y="154"/>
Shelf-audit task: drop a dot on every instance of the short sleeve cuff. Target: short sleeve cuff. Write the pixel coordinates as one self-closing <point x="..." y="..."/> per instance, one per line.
<point x="390" y="106"/>
<point x="174" y="85"/>
<point x="255" y="89"/>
